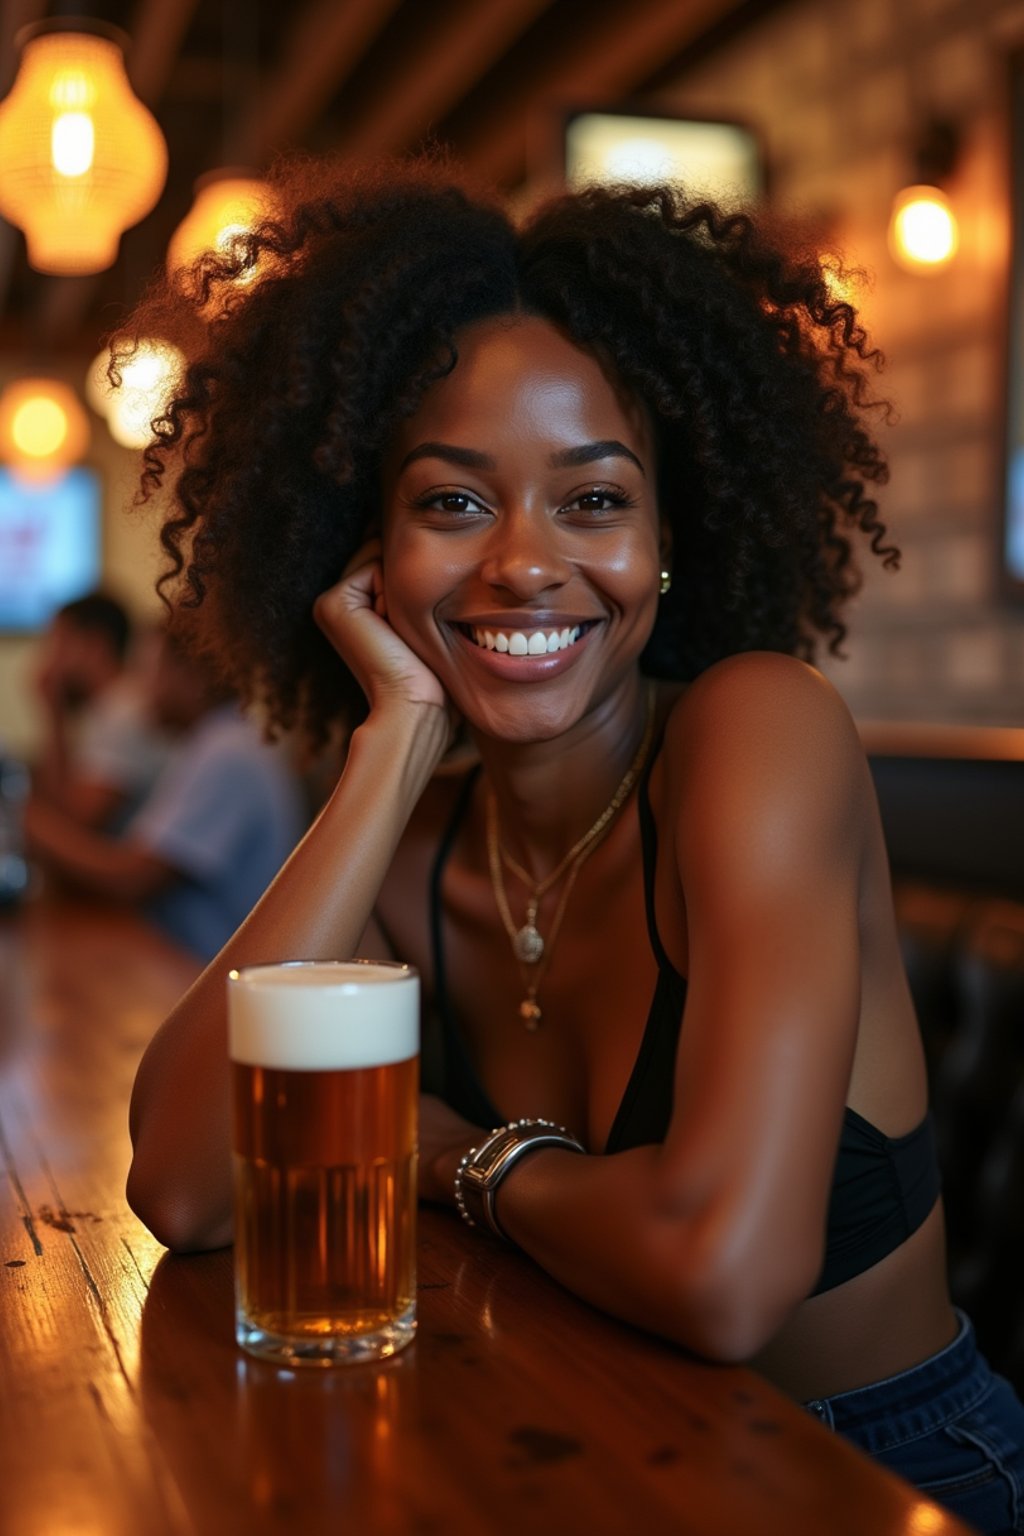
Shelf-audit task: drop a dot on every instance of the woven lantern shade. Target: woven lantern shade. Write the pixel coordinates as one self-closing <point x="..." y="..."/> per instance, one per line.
<point x="81" y="159"/>
<point x="43" y="428"/>
<point x="228" y="204"/>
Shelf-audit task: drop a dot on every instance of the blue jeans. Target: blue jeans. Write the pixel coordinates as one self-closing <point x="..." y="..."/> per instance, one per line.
<point x="950" y="1426"/>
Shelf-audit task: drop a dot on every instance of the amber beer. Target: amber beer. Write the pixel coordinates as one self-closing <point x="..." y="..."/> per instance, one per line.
<point x="325" y="1093"/>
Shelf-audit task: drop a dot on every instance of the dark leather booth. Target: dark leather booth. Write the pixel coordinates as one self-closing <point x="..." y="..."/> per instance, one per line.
<point x="952" y="805"/>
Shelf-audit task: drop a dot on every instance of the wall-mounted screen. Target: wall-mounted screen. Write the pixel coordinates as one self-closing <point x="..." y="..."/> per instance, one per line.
<point x="710" y="159"/>
<point x="1012" y="543"/>
<point x="49" y="545"/>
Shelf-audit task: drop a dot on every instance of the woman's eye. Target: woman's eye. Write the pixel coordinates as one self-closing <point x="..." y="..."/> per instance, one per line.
<point x="454" y="503"/>
<point x="597" y="501"/>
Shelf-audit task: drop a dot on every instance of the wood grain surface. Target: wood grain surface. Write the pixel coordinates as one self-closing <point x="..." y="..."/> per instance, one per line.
<point x="127" y="1408"/>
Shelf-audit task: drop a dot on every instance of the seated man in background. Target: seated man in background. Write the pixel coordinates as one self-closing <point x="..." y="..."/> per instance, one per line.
<point x="102" y="750"/>
<point x="220" y="820"/>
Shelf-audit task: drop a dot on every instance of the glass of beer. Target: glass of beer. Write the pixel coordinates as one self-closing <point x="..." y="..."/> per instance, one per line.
<point x="324" y="1068"/>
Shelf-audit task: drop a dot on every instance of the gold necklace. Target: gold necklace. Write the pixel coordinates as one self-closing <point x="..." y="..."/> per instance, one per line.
<point x="528" y="946"/>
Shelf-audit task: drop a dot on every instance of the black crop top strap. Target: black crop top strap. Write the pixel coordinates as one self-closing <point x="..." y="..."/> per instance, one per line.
<point x="647" y="1101"/>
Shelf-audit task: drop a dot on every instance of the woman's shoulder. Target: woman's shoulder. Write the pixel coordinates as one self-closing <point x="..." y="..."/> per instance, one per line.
<point x="762" y="727"/>
<point x="760" y="697"/>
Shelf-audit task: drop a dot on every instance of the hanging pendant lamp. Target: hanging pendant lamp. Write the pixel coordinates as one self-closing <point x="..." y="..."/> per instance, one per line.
<point x="43" y="428"/>
<point x="228" y="204"/>
<point x="81" y="159"/>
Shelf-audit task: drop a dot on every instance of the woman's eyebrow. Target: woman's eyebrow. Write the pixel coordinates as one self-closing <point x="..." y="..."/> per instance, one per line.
<point x="588" y="453"/>
<point x="567" y="458"/>
<point x="466" y="458"/>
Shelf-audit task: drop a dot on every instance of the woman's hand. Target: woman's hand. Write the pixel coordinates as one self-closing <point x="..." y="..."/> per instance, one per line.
<point x="444" y="1139"/>
<point x="353" y="616"/>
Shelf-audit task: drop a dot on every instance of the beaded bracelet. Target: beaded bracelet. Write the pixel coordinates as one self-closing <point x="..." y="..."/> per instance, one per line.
<point x="484" y="1167"/>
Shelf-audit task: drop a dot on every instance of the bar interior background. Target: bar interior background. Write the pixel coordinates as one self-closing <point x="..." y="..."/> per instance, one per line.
<point x="837" y="92"/>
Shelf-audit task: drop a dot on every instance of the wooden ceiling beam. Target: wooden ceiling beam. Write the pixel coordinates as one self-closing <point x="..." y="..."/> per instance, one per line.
<point x="325" y="45"/>
<point x="423" y="89"/>
<point x="612" y="57"/>
<point x="14" y="14"/>
<point x="158" y="31"/>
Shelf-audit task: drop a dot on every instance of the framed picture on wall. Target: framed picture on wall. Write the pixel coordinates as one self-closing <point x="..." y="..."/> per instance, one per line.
<point x="719" y="160"/>
<point x="1012" y="531"/>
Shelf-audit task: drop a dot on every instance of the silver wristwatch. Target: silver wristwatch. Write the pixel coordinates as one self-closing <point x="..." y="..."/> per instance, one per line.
<point x="482" y="1169"/>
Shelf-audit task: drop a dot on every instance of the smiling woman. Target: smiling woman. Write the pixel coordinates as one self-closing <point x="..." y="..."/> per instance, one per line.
<point x="588" y="489"/>
<point x="521" y="547"/>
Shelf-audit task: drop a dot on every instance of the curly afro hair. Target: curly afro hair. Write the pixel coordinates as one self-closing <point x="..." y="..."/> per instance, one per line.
<point x="753" y="374"/>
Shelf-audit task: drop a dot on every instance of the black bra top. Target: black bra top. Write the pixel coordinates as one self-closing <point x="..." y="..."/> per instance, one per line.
<point x="883" y="1187"/>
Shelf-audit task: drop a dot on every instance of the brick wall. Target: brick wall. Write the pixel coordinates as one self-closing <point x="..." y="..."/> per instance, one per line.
<point x="834" y="88"/>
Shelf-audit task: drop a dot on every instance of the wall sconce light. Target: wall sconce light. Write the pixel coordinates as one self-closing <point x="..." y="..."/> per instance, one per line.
<point x="81" y="159"/>
<point x="43" y="428"/>
<point x="228" y="205"/>
<point x="923" y="230"/>
<point x="149" y="378"/>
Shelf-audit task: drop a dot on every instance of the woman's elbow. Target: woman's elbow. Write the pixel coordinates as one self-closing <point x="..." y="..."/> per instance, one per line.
<point x="732" y="1304"/>
<point x="178" y="1221"/>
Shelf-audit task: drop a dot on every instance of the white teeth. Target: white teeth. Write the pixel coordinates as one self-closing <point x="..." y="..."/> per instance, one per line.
<point x="517" y="642"/>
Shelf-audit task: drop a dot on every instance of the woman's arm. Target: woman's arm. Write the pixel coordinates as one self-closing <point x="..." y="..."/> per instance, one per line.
<point x="713" y="1238"/>
<point x="319" y="907"/>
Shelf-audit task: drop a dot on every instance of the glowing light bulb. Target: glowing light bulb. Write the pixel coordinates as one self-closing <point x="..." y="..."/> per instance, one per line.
<point x="72" y="143"/>
<point x="39" y="426"/>
<point x="228" y="206"/>
<point x="149" y="378"/>
<point x="43" y="428"/>
<point x="923" y="233"/>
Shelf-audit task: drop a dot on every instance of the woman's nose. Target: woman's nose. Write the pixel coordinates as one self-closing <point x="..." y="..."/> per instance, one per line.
<point x="524" y="554"/>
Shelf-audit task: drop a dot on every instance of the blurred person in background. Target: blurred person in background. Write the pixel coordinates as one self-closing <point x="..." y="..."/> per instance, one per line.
<point x="102" y="749"/>
<point x="221" y="818"/>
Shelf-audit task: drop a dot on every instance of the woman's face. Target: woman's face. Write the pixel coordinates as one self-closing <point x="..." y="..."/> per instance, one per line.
<point x="521" y="530"/>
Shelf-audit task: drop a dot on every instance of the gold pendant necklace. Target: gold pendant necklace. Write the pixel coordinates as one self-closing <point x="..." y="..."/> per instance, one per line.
<point x="532" y="952"/>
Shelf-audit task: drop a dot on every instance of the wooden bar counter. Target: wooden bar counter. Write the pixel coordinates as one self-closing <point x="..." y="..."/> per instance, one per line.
<point x="126" y="1407"/>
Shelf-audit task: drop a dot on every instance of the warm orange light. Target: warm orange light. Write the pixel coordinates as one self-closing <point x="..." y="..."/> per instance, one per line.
<point x="81" y="159"/>
<point x="39" y="426"/>
<point x="843" y="285"/>
<point x="923" y="233"/>
<point x="149" y="378"/>
<point x="228" y="205"/>
<point x="43" y="428"/>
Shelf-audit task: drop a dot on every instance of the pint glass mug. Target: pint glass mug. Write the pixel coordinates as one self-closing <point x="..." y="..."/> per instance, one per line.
<point x="324" y="1069"/>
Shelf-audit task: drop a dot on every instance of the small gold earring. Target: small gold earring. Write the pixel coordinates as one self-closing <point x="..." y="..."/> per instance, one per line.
<point x="666" y="581"/>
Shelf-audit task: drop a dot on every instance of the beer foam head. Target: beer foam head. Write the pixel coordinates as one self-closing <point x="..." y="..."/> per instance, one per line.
<point x="323" y="1015"/>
